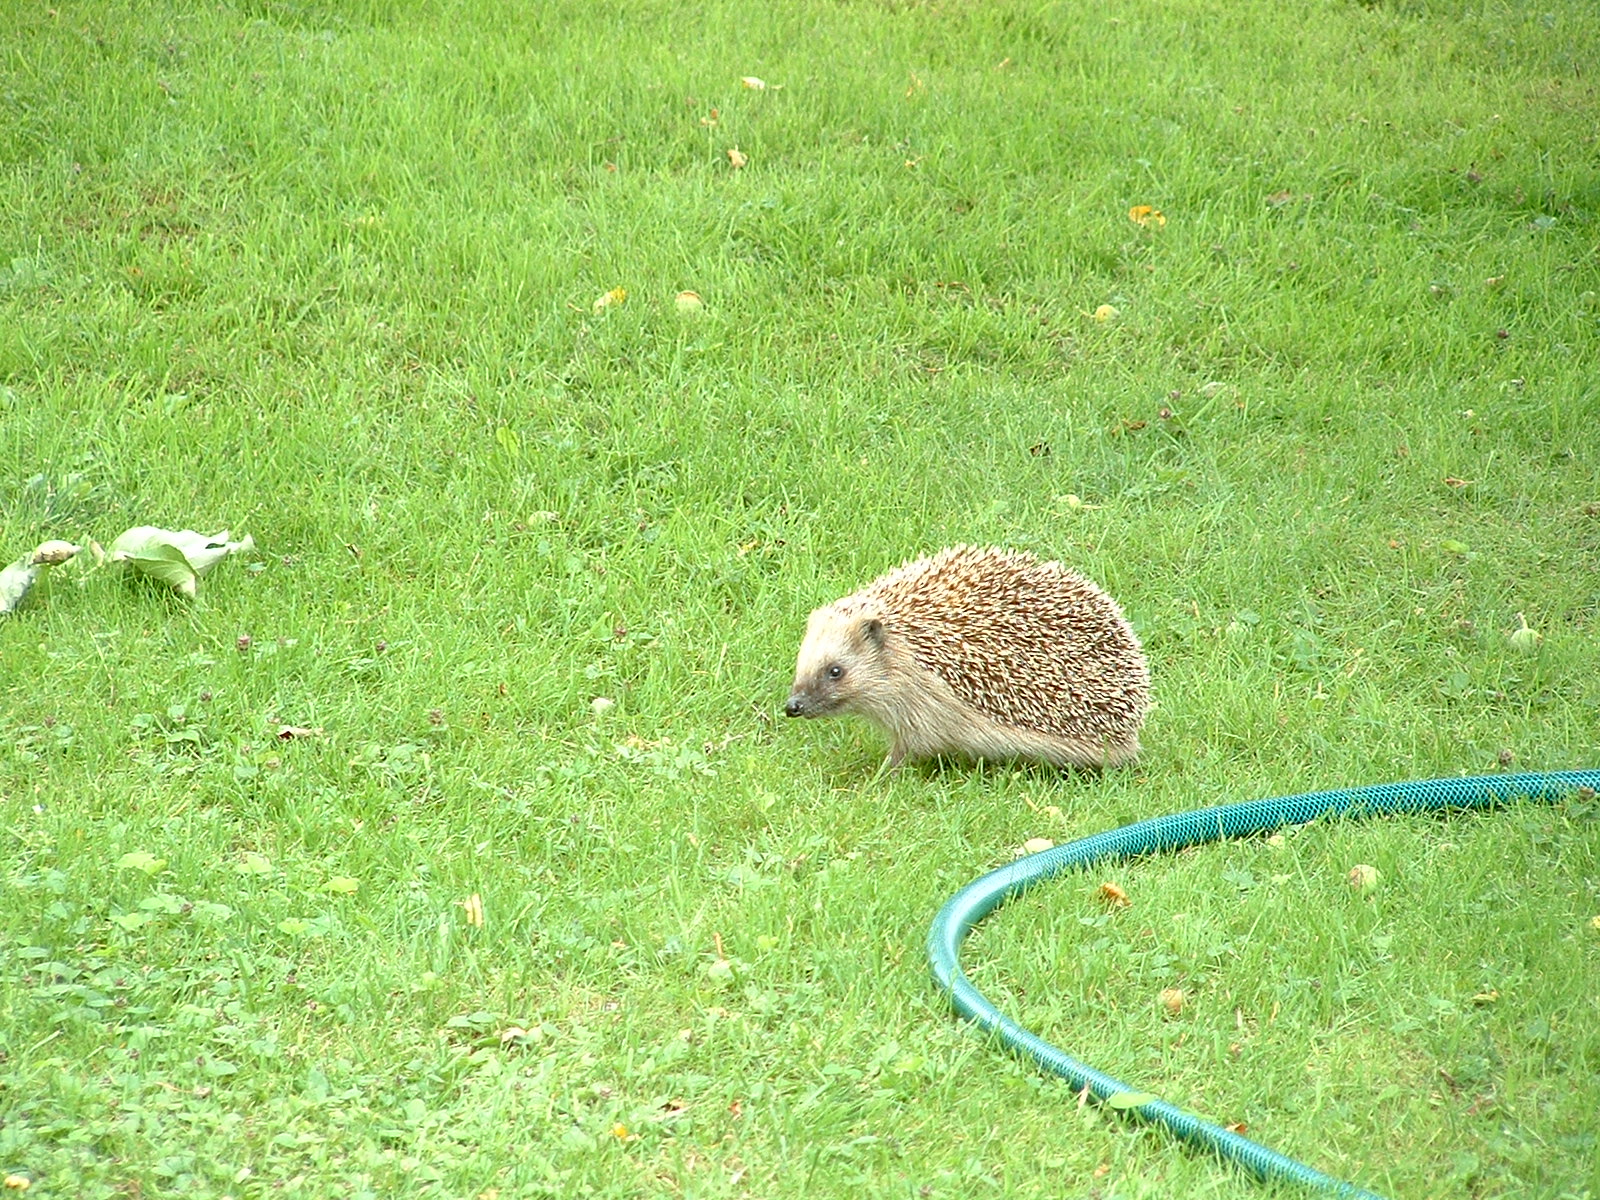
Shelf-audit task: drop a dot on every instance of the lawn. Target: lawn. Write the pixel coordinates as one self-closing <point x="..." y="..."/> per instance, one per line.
<point x="1279" y="319"/>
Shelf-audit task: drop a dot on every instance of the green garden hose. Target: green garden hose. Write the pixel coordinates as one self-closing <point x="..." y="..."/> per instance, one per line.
<point x="981" y="897"/>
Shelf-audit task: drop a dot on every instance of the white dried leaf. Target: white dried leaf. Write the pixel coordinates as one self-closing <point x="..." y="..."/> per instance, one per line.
<point x="17" y="580"/>
<point x="176" y="558"/>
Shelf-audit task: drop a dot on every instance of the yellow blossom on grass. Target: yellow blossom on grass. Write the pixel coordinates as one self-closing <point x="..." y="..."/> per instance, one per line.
<point x="1143" y="214"/>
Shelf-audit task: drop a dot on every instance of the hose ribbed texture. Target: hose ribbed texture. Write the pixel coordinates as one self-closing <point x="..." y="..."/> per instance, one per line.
<point x="981" y="897"/>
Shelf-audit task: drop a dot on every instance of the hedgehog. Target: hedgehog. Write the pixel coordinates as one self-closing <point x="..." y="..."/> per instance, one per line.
<point x="980" y="653"/>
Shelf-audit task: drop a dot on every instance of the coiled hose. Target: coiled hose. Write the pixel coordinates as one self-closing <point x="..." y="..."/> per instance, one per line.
<point x="981" y="897"/>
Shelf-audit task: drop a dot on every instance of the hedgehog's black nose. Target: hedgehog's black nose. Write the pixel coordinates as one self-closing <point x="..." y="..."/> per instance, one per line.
<point x="795" y="707"/>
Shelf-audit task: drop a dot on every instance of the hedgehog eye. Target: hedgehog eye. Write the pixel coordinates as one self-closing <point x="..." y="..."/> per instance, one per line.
<point x="835" y="670"/>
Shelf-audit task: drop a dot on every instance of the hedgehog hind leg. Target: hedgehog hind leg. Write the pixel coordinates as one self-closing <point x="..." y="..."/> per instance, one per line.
<point x="1119" y="754"/>
<point x="1086" y="753"/>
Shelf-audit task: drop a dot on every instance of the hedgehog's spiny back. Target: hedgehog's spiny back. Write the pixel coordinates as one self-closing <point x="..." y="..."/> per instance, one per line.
<point x="1029" y="643"/>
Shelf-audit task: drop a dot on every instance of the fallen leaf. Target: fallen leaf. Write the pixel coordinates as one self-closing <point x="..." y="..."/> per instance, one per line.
<point x="1033" y="846"/>
<point x="688" y="302"/>
<point x="1279" y="199"/>
<point x="341" y="885"/>
<point x="1173" y="1000"/>
<point x="1143" y="214"/>
<point x="1114" y="895"/>
<point x="142" y="860"/>
<point x="1363" y="878"/>
<point x="287" y="733"/>
<point x="18" y="1183"/>
<point x="754" y="84"/>
<point x="473" y="905"/>
<point x="1106" y="312"/>
<point x="615" y="296"/>
<point x="1126" y="1100"/>
<point x="1237" y="1127"/>
<point x="54" y="553"/>
<point x="1525" y="638"/>
<point x="17" y="580"/>
<point x="176" y="558"/>
<point x="1452" y="481"/>
<point x="737" y="158"/>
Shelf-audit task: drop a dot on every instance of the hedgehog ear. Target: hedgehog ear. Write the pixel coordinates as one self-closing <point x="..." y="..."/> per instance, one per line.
<point x="872" y="631"/>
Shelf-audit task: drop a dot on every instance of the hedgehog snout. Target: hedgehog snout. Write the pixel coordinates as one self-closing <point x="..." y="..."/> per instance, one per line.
<point x="795" y="706"/>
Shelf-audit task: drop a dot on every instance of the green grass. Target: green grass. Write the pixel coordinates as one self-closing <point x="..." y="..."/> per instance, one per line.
<point x="325" y="273"/>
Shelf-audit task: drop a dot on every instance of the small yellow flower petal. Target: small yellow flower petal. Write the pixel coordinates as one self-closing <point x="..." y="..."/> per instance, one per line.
<point x="1143" y="214"/>
<point x="737" y="158"/>
<point x="615" y="296"/>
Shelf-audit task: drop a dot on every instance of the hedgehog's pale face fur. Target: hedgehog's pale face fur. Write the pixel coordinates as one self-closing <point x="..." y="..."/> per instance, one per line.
<point x="981" y="653"/>
<point x="842" y="667"/>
